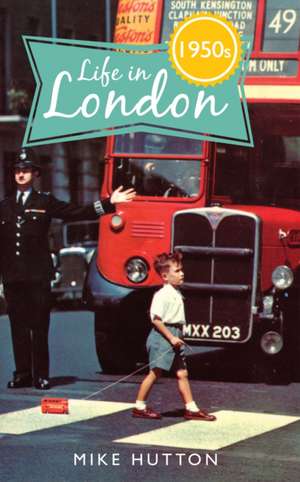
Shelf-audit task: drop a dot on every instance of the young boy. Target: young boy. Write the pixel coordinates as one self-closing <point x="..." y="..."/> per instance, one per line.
<point x="164" y="344"/>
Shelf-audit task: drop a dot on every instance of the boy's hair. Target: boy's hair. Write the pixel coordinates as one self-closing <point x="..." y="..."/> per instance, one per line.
<point x="162" y="261"/>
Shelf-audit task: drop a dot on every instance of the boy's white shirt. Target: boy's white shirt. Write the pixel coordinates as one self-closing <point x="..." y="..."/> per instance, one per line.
<point x="167" y="304"/>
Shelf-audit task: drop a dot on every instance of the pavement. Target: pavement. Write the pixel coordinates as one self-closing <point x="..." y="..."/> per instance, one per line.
<point x="71" y="345"/>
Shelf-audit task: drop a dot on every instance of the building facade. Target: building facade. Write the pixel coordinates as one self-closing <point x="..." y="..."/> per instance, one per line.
<point x="71" y="170"/>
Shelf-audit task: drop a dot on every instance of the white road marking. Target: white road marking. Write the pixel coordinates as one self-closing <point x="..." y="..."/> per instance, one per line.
<point x="32" y="419"/>
<point x="229" y="428"/>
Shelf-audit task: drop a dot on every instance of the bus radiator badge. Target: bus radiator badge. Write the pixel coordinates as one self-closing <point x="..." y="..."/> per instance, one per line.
<point x="214" y="219"/>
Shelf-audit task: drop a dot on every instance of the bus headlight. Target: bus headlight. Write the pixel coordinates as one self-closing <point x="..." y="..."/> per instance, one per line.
<point x="271" y="342"/>
<point x="282" y="277"/>
<point x="137" y="270"/>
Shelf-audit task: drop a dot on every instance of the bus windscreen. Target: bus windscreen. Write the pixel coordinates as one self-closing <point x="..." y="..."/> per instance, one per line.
<point x="143" y="143"/>
<point x="268" y="176"/>
<point x="158" y="177"/>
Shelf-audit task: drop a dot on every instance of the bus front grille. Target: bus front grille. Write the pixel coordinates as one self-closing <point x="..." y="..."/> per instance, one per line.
<point x="220" y="248"/>
<point x="73" y="269"/>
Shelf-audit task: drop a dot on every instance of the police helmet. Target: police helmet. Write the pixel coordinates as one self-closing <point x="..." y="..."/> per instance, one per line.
<point x="26" y="160"/>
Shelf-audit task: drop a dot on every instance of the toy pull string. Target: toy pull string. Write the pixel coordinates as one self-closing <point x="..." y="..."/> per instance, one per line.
<point x="131" y="374"/>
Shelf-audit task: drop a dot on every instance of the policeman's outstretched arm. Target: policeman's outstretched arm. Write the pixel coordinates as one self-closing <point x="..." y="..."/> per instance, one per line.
<point x="120" y="196"/>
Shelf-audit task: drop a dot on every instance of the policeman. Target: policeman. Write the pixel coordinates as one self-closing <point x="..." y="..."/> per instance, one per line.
<point x="27" y="268"/>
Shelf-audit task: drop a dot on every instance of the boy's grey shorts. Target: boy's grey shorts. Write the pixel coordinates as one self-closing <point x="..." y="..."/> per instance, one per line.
<point x="162" y="354"/>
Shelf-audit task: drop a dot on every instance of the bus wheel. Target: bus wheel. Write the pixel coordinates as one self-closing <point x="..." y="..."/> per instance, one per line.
<point x="114" y="354"/>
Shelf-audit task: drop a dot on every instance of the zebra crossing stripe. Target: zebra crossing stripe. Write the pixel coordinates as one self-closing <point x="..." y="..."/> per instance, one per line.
<point x="32" y="419"/>
<point x="229" y="428"/>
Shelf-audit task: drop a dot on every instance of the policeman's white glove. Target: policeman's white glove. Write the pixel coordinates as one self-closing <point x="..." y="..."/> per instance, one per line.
<point x="120" y="196"/>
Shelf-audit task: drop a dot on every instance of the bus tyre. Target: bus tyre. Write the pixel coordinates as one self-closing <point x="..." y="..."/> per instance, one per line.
<point x="279" y="370"/>
<point x="112" y="349"/>
<point x="282" y="370"/>
<point x="271" y="369"/>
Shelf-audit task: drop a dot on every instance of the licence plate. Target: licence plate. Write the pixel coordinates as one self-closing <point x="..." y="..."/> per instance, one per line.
<point x="211" y="332"/>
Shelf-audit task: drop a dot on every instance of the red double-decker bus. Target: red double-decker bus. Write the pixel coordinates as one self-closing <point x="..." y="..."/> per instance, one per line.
<point x="233" y="211"/>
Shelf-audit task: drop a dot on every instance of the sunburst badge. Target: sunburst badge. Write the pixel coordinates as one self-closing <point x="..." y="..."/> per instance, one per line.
<point x="205" y="49"/>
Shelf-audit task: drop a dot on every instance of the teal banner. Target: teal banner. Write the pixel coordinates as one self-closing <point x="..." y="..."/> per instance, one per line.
<point x="91" y="89"/>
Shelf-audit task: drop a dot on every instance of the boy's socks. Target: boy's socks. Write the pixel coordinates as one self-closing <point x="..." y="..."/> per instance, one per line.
<point x="192" y="406"/>
<point x="140" y="404"/>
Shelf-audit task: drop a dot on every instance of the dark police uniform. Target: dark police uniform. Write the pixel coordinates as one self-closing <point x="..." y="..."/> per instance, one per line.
<point x="27" y="268"/>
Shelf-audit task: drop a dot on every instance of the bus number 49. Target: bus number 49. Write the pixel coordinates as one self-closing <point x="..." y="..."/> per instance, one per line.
<point x="284" y="19"/>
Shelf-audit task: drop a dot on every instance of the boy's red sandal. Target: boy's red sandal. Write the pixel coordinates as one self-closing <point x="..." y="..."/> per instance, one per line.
<point x="201" y="415"/>
<point x="145" y="413"/>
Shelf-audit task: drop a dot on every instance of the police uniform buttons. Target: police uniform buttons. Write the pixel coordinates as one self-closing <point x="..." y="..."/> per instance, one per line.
<point x="34" y="217"/>
<point x="18" y="234"/>
<point x="17" y="244"/>
<point x="18" y="253"/>
<point x="18" y="225"/>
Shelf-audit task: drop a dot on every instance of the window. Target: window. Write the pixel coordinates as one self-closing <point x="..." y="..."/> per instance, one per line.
<point x="33" y="25"/>
<point x="68" y="32"/>
<point x="46" y="178"/>
<point x="5" y="56"/>
<point x="157" y="144"/>
<point x="282" y="26"/>
<point x="159" y="177"/>
<point x="9" y="158"/>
